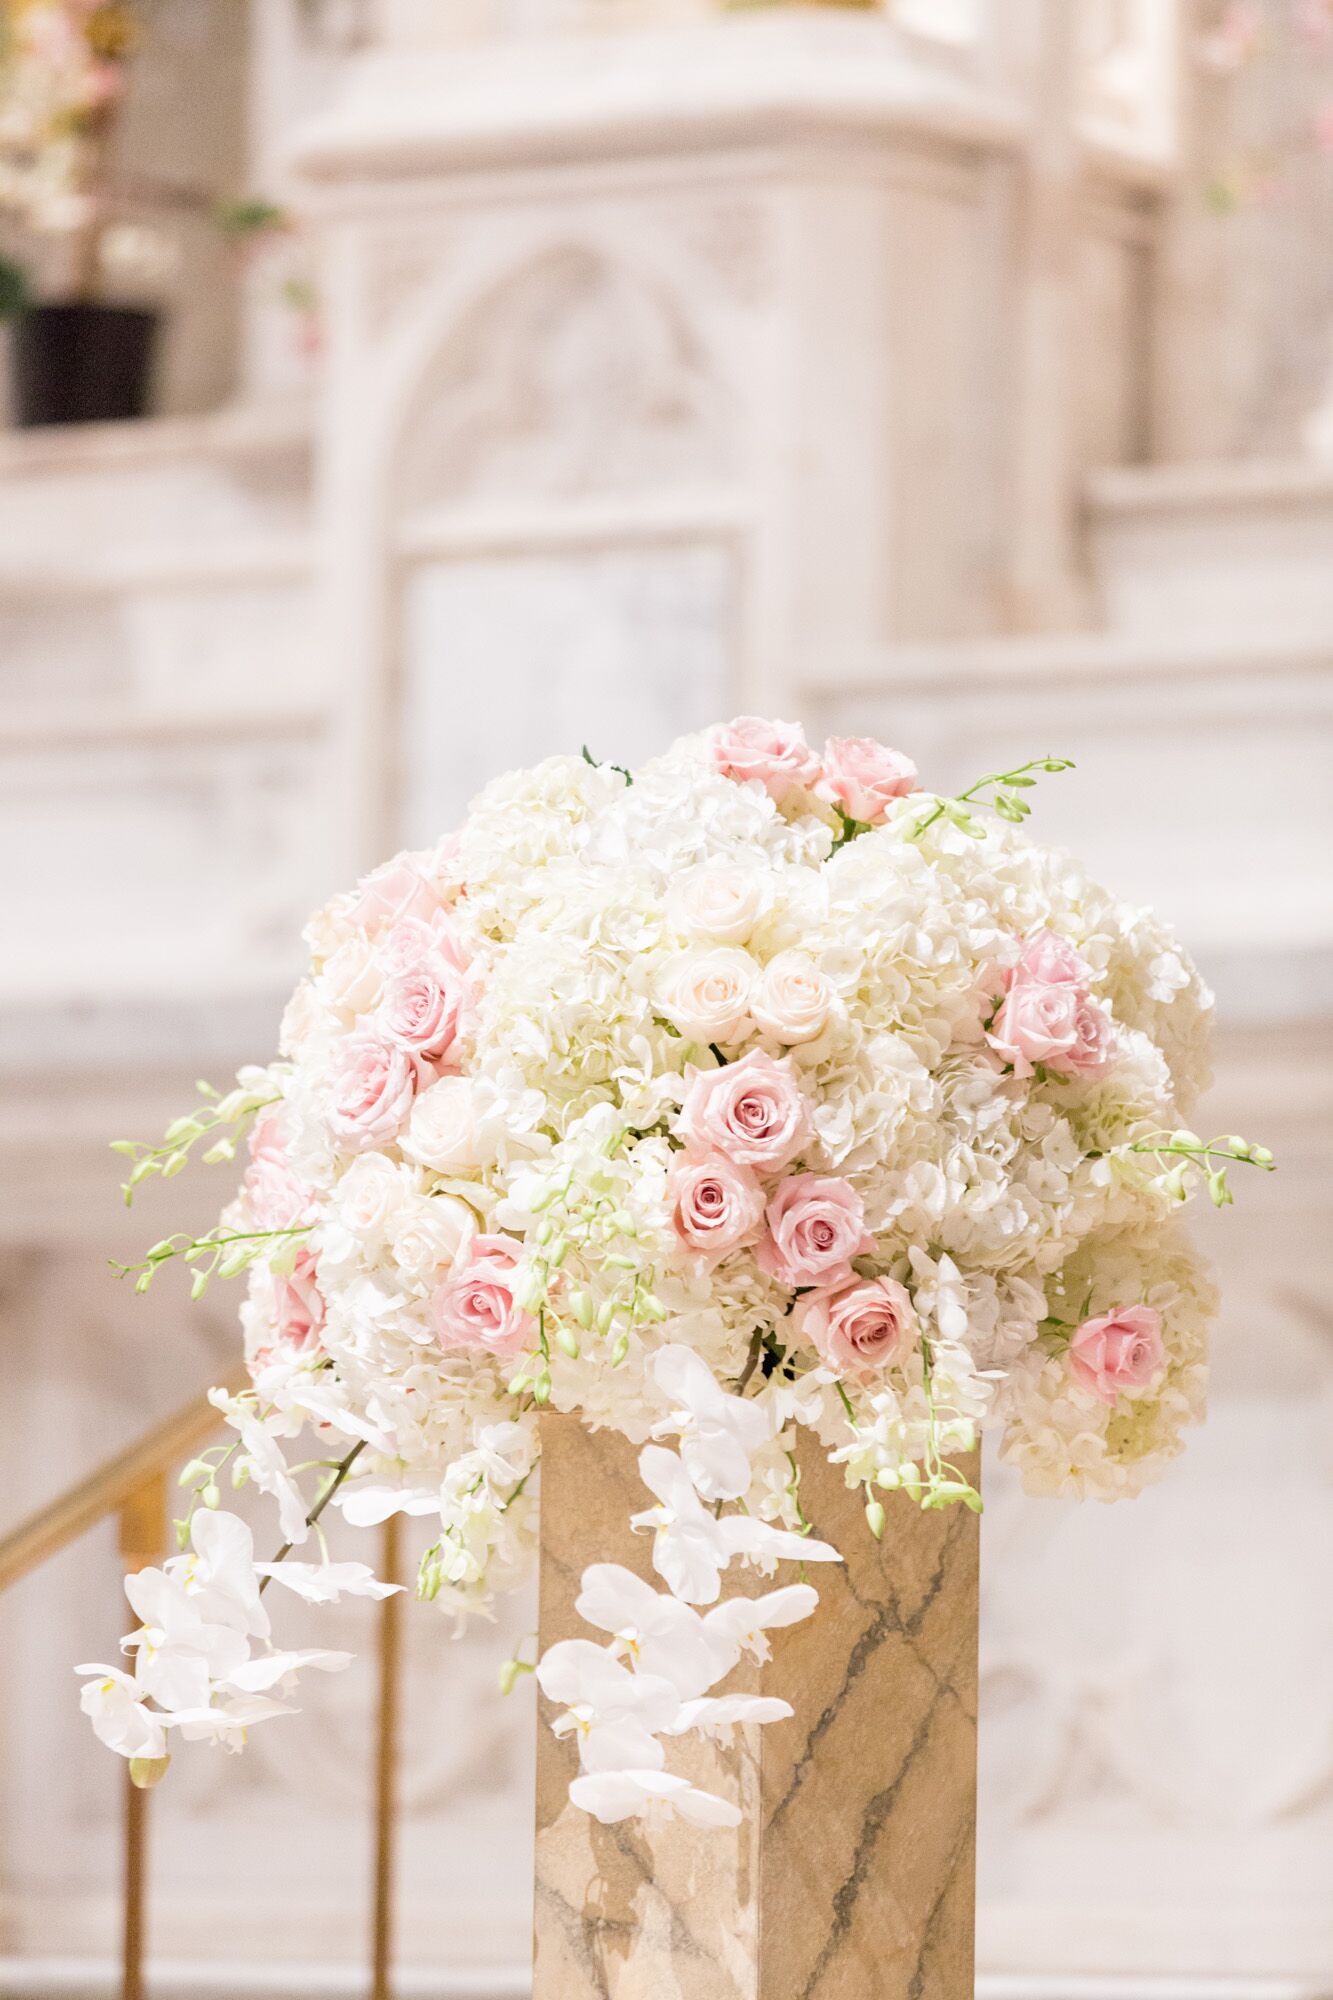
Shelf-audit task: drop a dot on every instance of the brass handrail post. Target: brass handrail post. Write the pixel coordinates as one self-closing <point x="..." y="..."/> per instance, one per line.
<point x="386" y="1766"/>
<point x="143" y="1527"/>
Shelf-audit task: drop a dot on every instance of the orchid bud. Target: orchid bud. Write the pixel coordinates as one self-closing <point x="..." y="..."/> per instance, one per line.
<point x="145" y="1772"/>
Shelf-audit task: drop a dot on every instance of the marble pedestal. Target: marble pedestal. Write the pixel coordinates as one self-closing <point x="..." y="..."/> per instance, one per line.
<point x="851" y="1874"/>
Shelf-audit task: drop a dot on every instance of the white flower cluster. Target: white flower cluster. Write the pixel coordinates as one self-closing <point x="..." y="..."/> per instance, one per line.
<point x="751" y="1090"/>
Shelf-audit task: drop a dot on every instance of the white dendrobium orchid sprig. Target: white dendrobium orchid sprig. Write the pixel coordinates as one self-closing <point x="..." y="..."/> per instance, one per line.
<point x="675" y="1653"/>
<point x="195" y="1667"/>
<point x="752" y="1097"/>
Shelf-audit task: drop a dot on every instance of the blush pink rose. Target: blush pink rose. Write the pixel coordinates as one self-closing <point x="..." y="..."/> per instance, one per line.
<point x="421" y="1010"/>
<point x="1057" y="1026"/>
<point x="860" y="1327"/>
<point x="274" y="1196"/>
<point x="752" y="1111"/>
<point x="391" y="893"/>
<point x="774" y="753"/>
<point x="716" y="1206"/>
<point x="371" y="1092"/>
<point x="298" y="1305"/>
<point x="1118" y="1350"/>
<point x="864" y="777"/>
<point x="1049" y="960"/>
<point x="816" y="1225"/>
<point x="475" y="1306"/>
<point x="418" y="942"/>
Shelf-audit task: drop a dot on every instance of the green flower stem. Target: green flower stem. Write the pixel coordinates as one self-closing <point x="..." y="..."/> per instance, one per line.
<point x="194" y="1248"/>
<point x="1005" y="784"/>
<point x="751" y="1361"/>
<point x="224" y="1120"/>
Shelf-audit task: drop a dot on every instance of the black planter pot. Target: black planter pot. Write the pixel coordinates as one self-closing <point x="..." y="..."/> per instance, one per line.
<point x="82" y="363"/>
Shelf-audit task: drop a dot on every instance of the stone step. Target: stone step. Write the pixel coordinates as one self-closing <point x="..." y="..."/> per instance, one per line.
<point x="1215" y="548"/>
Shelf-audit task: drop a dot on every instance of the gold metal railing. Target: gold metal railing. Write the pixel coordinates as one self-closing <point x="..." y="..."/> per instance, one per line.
<point x="133" y="1489"/>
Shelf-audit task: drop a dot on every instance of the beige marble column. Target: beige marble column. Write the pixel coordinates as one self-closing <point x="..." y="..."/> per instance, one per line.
<point x="851" y="1874"/>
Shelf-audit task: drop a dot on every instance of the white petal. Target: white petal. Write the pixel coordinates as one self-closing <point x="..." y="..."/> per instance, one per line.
<point x="688" y="1562"/>
<point x="270" y="1668"/>
<point x="367" y="1506"/>
<point x="612" y="1597"/>
<point x="615" y="1795"/>
<point x="705" y="1808"/>
<point x="621" y="1745"/>
<point x="742" y="1535"/>
<point x="726" y="1710"/>
<point x="325" y="1583"/>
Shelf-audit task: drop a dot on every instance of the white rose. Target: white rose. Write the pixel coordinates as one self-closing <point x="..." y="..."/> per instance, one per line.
<point x="368" y="1197"/>
<point x="351" y="980"/>
<point x="430" y="1232"/>
<point x="442" y="1132"/>
<point x="792" y="999"/>
<point x="301" y="1021"/>
<point x="706" y="994"/>
<point x="720" y="903"/>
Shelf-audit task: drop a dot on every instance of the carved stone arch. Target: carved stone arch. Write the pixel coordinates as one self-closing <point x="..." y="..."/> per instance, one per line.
<point x="574" y="373"/>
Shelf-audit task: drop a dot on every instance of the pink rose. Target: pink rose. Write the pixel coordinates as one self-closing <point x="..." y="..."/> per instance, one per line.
<point x="753" y="1111"/>
<point x="776" y="753"/>
<point x="417" y="942"/>
<point x="816" y="1225"/>
<point x="864" y="777"/>
<point x="298" y="1304"/>
<point x="1057" y="1026"/>
<point x="1049" y="960"/>
<point x="1118" y="1350"/>
<point x="475" y="1306"/>
<point x="868" y="1324"/>
<point x="371" y="1092"/>
<point x="420" y="1011"/>
<point x="274" y="1196"/>
<point x="392" y="892"/>
<point x="715" y="1205"/>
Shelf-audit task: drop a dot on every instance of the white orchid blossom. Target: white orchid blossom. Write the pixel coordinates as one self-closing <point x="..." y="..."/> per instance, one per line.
<point x="611" y="1796"/>
<point x="742" y="1624"/>
<point x="178" y="1652"/>
<point x="263" y="1459"/>
<point x="226" y="1723"/>
<point x="219" y="1575"/>
<point x="269" y="1670"/>
<point x="713" y="1714"/>
<point x="692" y="1547"/>
<point x="657" y="1633"/>
<point x="200" y="1614"/>
<point x="112" y="1702"/>
<point x="719" y="1433"/>
<point x="614" y="1713"/>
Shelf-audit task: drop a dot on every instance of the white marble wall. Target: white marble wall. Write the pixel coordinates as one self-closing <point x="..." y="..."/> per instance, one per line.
<point x="643" y="399"/>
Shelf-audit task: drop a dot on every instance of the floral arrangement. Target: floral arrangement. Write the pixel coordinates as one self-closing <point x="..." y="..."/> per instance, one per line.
<point x="752" y="1090"/>
<point x="63" y="69"/>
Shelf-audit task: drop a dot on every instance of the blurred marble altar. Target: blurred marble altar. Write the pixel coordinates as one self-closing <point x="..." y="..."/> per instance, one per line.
<point x="884" y="365"/>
